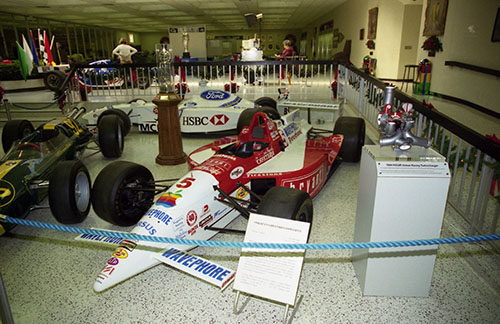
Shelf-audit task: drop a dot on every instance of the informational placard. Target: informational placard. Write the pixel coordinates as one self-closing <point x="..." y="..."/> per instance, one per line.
<point x="272" y="273"/>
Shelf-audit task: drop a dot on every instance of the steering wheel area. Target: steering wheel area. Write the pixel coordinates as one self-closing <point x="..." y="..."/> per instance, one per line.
<point x="29" y="145"/>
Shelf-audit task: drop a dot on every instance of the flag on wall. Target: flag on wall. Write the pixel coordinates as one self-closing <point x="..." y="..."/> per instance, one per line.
<point x="33" y="49"/>
<point x="43" y="55"/>
<point x="47" y="49"/>
<point x="22" y="61"/>
<point x="28" y="56"/>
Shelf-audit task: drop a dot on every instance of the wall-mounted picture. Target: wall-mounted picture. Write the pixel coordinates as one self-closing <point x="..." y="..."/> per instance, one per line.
<point x="362" y="34"/>
<point x="495" y="37"/>
<point x="435" y="17"/>
<point x="372" y="23"/>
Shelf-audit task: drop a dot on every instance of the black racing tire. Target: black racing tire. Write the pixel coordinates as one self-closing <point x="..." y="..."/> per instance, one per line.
<point x="69" y="192"/>
<point x="15" y="130"/>
<point x="246" y="116"/>
<point x="53" y="79"/>
<point x="266" y="101"/>
<point x="289" y="203"/>
<point x="110" y="136"/>
<point x="143" y="82"/>
<point x="127" y="124"/>
<point x="353" y="129"/>
<point x="116" y="195"/>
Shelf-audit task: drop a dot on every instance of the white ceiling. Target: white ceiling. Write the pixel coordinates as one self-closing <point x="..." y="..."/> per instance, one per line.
<point x="157" y="15"/>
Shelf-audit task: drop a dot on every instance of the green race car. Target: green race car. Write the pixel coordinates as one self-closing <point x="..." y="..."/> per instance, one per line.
<point x="45" y="162"/>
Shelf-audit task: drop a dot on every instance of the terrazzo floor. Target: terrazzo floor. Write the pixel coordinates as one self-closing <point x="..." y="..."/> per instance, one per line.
<point x="48" y="276"/>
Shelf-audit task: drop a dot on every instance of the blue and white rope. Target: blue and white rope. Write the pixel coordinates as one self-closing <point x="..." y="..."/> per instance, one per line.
<point x="309" y="246"/>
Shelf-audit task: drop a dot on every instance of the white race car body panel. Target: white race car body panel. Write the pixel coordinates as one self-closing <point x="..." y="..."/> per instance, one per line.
<point x="266" y="150"/>
<point x="211" y="111"/>
<point x="184" y="212"/>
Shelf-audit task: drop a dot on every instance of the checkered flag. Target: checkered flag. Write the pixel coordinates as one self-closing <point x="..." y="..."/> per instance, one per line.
<point x="43" y="54"/>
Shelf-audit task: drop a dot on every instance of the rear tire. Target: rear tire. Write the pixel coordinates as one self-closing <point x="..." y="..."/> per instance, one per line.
<point x="117" y="196"/>
<point x="289" y="203"/>
<point x="266" y="101"/>
<point x="246" y="116"/>
<point x="15" y="130"/>
<point x="353" y="129"/>
<point x="69" y="192"/>
<point x="54" y="79"/>
<point x="110" y="136"/>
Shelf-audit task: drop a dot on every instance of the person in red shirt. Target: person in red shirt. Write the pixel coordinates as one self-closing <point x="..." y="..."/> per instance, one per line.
<point x="287" y="54"/>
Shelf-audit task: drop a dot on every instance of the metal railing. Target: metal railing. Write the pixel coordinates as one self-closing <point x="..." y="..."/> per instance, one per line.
<point x="117" y="81"/>
<point x="472" y="158"/>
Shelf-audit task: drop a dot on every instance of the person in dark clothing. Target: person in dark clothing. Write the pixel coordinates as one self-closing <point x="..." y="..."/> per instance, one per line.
<point x="287" y="54"/>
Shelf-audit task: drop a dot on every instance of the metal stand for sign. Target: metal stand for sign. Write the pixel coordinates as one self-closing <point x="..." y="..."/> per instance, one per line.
<point x="235" y="307"/>
<point x="5" y="314"/>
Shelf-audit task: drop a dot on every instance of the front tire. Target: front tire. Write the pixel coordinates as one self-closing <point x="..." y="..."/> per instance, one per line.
<point x="15" y="130"/>
<point x="69" y="192"/>
<point x="117" y="195"/>
<point x="110" y="136"/>
<point x="266" y="101"/>
<point x="127" y="125"/>
<point x="353" y="129"/>
<point x="54" y="79"/>
<point x="289" y="203"/>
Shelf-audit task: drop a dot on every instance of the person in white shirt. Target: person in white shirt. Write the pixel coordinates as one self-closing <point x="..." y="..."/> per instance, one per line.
<point x="124" y="51"/>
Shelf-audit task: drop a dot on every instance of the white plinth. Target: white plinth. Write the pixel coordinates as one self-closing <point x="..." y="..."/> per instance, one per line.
<point x="402" y="196"/>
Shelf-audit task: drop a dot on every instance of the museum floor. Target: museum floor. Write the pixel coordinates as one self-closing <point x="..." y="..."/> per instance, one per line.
<point x="49" y="276"/>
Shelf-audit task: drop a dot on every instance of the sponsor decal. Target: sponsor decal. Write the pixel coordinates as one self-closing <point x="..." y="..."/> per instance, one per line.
<point x="219" y="120"/>
<point x="205" y="221"/>
<point x="191" y="218"/>
<point x="206" y="209"/>
<point x="151" y="127"/>
<point x="190" y="104"/>
<point x="120" y="253"/>
<point x="159" y="215"/>
<point x="128" y="245"/>
<point x="241" y="193"/>
<point x="148" y="227"/>
<point x="198" y="267"/>
<point x="291" y="129"/>
<point x="7" y="193"/>
<point x="233" y="102"/>
<point x="100" y="238"/>
<point x="310" y="182"/>
<point x="267" y="154"/>
<point x="192" y="231"/>
<point x="236" y="173"/>
<point x="185" y="183"/>
<point x="113" y="261"/>
<point x="168" y="200"/>
<point x="214" y="95"/>
<point x="155" y="110"/>
<point x="194" y="121"/>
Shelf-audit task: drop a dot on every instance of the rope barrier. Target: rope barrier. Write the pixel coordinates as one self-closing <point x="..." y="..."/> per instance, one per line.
<point x="227" y="244"/>
<point x="39" y="108"/>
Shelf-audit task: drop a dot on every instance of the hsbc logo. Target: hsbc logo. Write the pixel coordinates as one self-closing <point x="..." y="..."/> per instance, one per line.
<point x="218" y="120"/>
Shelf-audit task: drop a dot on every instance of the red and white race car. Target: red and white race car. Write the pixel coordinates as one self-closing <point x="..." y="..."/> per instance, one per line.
<point x="272" y="167"/>
<point x="213" y="111"/>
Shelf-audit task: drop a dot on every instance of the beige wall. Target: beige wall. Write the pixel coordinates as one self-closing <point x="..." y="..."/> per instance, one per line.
<point x="467" y="39"/>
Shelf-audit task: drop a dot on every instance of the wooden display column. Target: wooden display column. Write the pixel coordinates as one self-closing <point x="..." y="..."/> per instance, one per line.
<point x="169" y="130"/>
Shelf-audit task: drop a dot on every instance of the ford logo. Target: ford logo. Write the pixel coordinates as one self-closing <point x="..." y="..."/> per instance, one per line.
<point x="215" y="95"/>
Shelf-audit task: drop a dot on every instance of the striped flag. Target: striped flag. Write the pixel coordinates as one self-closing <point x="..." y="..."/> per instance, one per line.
<point x="33" y="49"/>
<point x="28" y="56"/>
<point x="47" y="49"/>
<point x="22" y="61"/>
<point x="41" y="43"/>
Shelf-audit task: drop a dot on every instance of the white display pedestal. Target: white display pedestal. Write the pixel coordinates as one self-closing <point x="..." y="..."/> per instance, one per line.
<point x="402" y="196"/>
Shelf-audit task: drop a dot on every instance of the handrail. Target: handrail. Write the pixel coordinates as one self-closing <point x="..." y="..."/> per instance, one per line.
<point x="473" y="68"/>
<point x="474" y="138"/>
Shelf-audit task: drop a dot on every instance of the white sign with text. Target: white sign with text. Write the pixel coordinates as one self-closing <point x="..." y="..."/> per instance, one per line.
<point x="272" y="273"/>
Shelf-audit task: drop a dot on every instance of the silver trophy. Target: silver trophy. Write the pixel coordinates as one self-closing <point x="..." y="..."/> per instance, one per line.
<point x="165" y="72"/>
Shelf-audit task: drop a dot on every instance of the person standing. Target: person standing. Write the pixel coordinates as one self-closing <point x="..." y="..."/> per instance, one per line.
<point x="124" y="51"/>
<point x="287" y="54"/>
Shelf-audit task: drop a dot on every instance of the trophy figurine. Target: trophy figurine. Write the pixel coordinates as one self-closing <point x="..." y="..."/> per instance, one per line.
<point x="185" y="42"/>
